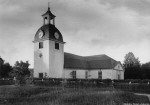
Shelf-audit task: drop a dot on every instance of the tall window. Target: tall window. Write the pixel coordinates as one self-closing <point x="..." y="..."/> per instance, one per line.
<point x="73" y="74"/>
<point x="57" y="46"/>
<point x="40" y="75"/>
<point x="99" y="74"/>
<point x="86" y="74"/>
<point x="40" y="45"/>
<point x="119" y="75"/>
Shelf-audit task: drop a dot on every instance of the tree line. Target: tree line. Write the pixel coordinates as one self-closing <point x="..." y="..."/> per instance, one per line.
<point x="132" y="66"/>
<point x="19" y="70"/>
<point x="134" y="69"/>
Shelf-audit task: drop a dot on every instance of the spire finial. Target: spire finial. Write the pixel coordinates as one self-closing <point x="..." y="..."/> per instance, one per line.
<point x="48" y="6"/>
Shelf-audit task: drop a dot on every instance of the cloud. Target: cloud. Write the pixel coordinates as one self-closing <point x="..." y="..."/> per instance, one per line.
<point x="89" y="27"/>
<point x="140" y="6"/>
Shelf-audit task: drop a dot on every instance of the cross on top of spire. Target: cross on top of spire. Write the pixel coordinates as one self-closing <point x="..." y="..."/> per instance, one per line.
<point x="48" y="5"/>
<point x="49" y="12"/>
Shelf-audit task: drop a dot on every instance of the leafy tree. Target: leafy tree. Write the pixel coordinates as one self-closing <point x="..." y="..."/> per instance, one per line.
<point x="1" y="64"/>
<point x="132" y="67"/>
<point x="5" y="68"/>
<point x="21" y="71"/>
<point x="133" y="72"/>
<point x="146" y="71"/>
<point x="131" y="60"/>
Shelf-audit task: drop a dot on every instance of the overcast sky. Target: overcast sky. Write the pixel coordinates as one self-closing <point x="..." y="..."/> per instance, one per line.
<point x="89" y="27"/>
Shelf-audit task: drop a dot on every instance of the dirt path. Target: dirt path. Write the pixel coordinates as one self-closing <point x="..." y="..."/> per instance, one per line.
<point x="148" y="95"/>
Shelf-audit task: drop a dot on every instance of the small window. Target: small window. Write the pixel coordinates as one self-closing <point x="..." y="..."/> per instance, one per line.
<point x="40" y="45"/>
<point x="57" y="46"/>
<point x="100" y="75"/>
<point x="40" y="75"/>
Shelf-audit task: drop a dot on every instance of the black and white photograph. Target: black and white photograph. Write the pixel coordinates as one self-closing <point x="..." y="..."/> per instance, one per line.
<point x="74" y="52"/>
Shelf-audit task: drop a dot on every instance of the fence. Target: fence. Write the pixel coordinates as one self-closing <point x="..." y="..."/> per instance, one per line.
<point x="73" y="82"/>
<point x="134" y="86"/>
<point x="7" y="82"/>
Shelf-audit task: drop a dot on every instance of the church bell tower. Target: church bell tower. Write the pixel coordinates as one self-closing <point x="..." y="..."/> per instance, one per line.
<point x="48" y="49"/>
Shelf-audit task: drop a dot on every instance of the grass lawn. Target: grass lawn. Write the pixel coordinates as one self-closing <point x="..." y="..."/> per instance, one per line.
<point x="37" y="95"/>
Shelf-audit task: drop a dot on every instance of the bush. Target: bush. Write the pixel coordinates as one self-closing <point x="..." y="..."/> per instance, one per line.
<point x="108" y="82"/>
<point x="7" y="82"/>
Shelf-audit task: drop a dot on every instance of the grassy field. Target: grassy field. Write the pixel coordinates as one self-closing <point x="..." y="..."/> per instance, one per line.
<point x="37" y="95"/>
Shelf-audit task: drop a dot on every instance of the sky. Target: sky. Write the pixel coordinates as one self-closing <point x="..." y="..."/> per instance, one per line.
<point x="89" y="27"/>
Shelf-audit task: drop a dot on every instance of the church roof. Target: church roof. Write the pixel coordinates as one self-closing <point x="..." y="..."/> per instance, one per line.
<point x="48" y="30"/>
<point x="49" y="13"/>
<point x="89" y="62"/>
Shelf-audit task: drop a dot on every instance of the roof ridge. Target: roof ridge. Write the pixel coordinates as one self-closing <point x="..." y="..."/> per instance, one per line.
<point x="89" y="62"/>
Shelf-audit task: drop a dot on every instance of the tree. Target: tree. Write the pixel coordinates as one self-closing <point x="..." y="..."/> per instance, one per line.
<point x="73" y="74"/>
<point x="130" y="60"/>
<point x="1" y="64"/>
<point x="5" y="69"/>
<point x="20" y="70"/>
<point x="132" y="67"/>
<point x="146" y="71"/>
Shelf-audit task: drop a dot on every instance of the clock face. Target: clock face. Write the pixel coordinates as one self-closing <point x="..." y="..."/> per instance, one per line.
<point x="41" y="34"/>
<point x="56" y="35"/>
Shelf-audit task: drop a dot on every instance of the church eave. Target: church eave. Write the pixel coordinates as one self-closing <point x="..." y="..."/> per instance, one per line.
<point x="49" y="13"/>
<point x="48" y="39"/>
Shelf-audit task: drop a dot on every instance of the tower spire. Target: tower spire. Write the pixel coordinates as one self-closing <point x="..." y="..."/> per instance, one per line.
<point x="48" y="17"/>
<point x="48" y="6"/>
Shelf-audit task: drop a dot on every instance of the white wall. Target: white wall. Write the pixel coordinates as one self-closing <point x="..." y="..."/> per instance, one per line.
<point x="56" y="60"/>
<point x="52" y="60"/>
<point x="106" y="73"/>
<point x="41" y="64"/>
<point x="119" y="70"/>
<point x="80" y="73"/>
<point x="93" y="74"/>
<point x="118" y="67"/>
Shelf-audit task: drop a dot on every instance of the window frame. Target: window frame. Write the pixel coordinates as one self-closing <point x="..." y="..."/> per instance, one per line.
<point x="56" y="46"/>
<point x="100" y="74"/>
<point x="74" y="74"/>
<point x="86" y="74"/>
<point x="41" y="45"/>
<point x="41" y="75"/>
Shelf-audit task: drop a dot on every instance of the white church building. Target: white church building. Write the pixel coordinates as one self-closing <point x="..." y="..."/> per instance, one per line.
<point x="50" y="60"/>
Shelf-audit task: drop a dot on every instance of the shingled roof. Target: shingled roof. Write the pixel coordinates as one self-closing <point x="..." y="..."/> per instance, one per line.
<point x="89" y="62"/>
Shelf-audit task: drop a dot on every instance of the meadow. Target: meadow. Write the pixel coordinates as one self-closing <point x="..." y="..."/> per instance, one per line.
<point x="58" y="95"/>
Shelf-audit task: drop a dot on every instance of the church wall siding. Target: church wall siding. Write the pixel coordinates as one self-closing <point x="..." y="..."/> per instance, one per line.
<point x="118" y="67"/>
<point x="56" y="58"/>
<point x="80" y="73"/>
<point x="122" y="75"/>
<point x="93" y="74"/>
<point x="119" y="70"/>
<point x="41" y="62"/>
<point x="106" y="74"/>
